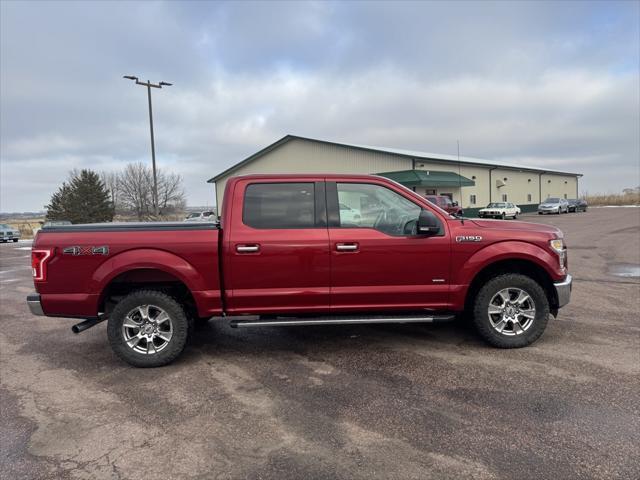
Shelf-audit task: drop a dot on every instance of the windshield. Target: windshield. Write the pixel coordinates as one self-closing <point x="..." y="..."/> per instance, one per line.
<point x="193" y="215"/>
<point x="496" y="205"/>
<point x="552" y="200"/>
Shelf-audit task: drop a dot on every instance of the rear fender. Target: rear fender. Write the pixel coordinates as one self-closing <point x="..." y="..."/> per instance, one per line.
<point x="147" y="258"/>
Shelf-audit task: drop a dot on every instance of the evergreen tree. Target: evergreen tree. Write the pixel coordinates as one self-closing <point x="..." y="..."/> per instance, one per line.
<point x="85" y="199"/>
<point x="56" y="209"/>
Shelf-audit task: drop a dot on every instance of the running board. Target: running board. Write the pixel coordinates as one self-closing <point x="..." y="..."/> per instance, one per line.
<point x="341" y="320"/>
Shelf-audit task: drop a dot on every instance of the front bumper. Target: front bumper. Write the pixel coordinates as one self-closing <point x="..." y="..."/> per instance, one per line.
<point x="563" y="291"/>
<point x="33" y="300"/>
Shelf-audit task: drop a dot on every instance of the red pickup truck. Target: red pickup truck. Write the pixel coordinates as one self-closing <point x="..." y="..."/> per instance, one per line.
<point x="287" y="252"/>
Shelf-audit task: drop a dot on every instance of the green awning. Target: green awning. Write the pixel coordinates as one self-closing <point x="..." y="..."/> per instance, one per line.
<point x="428" y="178"/>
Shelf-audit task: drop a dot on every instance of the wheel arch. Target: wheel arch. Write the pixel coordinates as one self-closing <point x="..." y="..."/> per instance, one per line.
<point x="513" y="265"/>
<point x="146" y="268"/>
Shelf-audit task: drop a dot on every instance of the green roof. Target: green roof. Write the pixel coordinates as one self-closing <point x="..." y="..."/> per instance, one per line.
<point x="428" y="178"/>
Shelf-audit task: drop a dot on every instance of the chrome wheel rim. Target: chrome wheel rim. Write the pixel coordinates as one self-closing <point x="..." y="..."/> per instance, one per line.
<point x="147" y="329"/>
<point x="511" y="311"/>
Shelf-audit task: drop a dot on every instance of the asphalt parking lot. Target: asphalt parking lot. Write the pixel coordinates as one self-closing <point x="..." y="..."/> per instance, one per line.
<point x="401" y="401"/>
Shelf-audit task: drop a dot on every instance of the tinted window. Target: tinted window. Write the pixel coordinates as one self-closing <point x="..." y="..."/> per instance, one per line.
<point x="375" y="206"/>
<point x="279" y="205"/>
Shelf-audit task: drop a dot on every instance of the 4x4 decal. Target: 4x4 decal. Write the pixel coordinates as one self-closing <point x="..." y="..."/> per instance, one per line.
<point x="77" y="250"/>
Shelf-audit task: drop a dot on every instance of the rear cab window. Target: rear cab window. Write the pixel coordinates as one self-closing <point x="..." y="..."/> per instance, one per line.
<point x="279" y="205"/>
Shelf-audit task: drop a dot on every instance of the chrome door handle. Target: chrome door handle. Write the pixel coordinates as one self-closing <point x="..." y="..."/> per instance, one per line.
<point x="346" y="247"/>
<point x="247" y="248"/>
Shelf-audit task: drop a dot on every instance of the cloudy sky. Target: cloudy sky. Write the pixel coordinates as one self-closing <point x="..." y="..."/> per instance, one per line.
<point x="547" y="84"/>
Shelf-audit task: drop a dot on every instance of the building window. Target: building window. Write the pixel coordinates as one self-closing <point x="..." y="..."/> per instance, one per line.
<point x="279" y="205"/>
<point x="504" y="197"/>
<point x="472" y="199"/>
<point x="528" y="197"/>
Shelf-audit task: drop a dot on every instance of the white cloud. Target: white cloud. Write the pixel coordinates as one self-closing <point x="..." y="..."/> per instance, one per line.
<point x="533" y="83"/>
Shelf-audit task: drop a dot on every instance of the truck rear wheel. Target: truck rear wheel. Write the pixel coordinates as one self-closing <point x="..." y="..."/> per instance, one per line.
<point x="511" y="311"/>
<point x="148" y="328"/>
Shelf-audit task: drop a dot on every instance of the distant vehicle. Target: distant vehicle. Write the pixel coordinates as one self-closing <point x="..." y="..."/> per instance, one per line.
<point x="446" y="204"/>
<point x="56" y="223"/>
<point x="8" y="233"/>
<point x="205" y="216"/>
<point x="554" y="205"/>
<point x="500" y="210"/>
<point x="349" y="215"/>
<point x="577" y="205"/>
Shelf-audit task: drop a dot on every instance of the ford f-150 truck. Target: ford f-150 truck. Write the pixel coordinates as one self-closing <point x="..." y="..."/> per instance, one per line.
<point x="283" y="254"/>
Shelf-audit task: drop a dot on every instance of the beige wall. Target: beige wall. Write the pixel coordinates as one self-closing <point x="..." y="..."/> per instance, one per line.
<point x="303" y="156"/>
<point x="517" y="187"/>
<point x="559" y="186"/>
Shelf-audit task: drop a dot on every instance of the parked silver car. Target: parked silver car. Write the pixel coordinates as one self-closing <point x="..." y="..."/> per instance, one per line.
<point x="8" y="233"/>
<point x="554" y="205"/>
<point x="206" y="216"/>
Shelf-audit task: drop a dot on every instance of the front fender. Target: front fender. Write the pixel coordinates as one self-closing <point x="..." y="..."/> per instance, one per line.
<point x="508" y="250"/>
<point x="147" y="258"/>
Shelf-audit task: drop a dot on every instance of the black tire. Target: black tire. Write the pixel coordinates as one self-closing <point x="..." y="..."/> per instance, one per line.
<point x="481" y="306"/>
<point x="503" y="216"/>
<point x="179" y="321"/>
<point x="15" y="240"/>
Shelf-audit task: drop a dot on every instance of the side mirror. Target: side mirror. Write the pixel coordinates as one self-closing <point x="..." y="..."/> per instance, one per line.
<point x="455" y="204"/>
<point x="428" y="223"/>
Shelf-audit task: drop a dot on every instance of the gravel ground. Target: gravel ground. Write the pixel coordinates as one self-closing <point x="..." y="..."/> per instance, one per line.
<point x="338" y="402"/>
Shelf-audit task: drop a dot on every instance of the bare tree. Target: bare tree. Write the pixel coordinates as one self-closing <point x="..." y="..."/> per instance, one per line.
<point x="135" y="191"/>
<point x="111" y="180"/>
<point x="171" y="197"/>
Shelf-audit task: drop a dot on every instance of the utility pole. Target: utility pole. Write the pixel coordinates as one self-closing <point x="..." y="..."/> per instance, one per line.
<point x="149" y="85"/>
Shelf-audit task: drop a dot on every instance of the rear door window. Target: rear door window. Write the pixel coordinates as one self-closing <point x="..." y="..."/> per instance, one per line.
<point x="279" y="205"/>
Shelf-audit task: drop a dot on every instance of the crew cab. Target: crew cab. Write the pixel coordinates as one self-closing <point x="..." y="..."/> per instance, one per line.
<point x="284" y="253"/>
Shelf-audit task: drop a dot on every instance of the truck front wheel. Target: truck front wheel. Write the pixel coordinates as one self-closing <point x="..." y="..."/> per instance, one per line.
<point x="148" y="328"/>
<point x="511" y="311"/>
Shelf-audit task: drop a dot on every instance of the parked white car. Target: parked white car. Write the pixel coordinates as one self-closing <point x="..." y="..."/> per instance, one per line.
<point x="499" y="210"/>
<point x="206" y="216"/>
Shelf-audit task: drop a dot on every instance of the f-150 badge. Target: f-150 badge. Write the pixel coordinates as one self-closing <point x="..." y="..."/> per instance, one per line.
<point x="77" y="250"/>
<point x="468" y="238"/>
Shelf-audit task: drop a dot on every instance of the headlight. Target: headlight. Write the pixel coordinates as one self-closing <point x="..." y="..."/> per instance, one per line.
<point x="558" y="246"/>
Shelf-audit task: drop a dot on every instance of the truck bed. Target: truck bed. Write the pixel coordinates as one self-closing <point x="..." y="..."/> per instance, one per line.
<point x="88" y="259"/>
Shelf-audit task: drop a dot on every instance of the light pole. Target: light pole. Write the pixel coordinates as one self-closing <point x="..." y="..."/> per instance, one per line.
<point x="148" y="84"/>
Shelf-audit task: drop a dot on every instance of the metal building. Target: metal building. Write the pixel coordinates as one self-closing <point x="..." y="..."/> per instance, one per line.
<point x="472" y="182"/>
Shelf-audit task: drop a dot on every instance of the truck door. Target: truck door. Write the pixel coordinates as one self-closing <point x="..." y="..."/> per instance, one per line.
<point x="377" y="260"/>
<point x="276" y="256"/>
